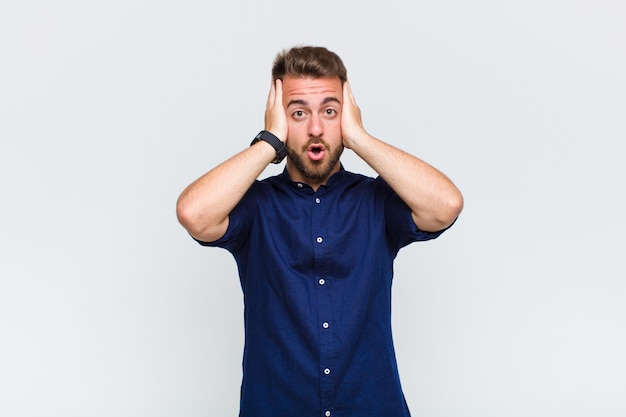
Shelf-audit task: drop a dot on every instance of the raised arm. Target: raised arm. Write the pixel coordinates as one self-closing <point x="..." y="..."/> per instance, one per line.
<point x="434" y="200"/>
<point x="204" y="206"/>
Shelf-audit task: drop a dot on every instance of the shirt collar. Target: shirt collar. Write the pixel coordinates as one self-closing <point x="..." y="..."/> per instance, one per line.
<point x="304" y="187"/>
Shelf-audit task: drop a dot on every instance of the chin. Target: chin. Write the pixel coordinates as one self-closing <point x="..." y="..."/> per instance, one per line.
<point x="315" y="170"/>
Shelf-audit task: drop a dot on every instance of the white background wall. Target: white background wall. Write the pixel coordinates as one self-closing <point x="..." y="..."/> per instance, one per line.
<point x="109" y="109"/>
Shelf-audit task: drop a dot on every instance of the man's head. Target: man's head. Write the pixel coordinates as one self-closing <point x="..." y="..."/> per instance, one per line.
<point x="312" y="83"/>
<point x="309" y="61"/>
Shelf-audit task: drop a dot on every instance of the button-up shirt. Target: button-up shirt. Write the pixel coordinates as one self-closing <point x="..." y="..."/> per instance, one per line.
<point x="316" y="269"/>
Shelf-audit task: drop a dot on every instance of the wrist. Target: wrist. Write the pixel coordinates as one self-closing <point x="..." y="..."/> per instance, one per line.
<point x="351" y="140"/>
<point x="279" y="146"/>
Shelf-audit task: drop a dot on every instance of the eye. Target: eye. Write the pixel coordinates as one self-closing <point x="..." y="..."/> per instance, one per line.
<point x="298" y="114"/>
<point x="330" y="112"/>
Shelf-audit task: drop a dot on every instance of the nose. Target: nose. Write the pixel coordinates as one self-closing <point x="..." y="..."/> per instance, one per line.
<point x="316" y="127"/>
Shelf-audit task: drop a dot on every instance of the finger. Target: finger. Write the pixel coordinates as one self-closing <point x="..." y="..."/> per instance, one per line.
<point x="348" y="99"/>
<point x="271" y="96"/>
<point x="351" y="95"/>
<point x="278" y="94"/>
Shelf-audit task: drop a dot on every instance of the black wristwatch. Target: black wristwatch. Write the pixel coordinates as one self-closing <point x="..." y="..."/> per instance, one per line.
<point x="277" y="144"/>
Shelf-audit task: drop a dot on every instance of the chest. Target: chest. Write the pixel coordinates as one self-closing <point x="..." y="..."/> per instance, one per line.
<point x="323" y="233"/>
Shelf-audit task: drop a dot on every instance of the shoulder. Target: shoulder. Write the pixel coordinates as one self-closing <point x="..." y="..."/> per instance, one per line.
<point x="362" y="183"/>
<point x="275" y="183"/>
<point x="348" y="179"/>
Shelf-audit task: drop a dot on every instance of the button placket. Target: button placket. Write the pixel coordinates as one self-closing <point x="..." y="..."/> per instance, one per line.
<point x="322" y="255"/>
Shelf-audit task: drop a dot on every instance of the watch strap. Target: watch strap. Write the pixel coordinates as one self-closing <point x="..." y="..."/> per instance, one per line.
<point x="278" y="145"/>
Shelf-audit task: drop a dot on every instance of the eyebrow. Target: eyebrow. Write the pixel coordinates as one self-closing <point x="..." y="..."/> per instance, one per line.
<point x="306" y="103"/>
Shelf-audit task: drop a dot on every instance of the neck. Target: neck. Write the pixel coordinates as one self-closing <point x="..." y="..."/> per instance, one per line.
<point x="314" y="182"/>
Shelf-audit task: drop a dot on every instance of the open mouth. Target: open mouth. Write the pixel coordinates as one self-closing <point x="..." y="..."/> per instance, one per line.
<point x="316" y="151"/>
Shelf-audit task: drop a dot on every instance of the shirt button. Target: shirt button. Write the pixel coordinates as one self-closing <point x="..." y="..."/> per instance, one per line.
<point x="327" y="371"/>
<point x="325" y="325"/>
<point x="317" y="200"/>
<point x="322" y="281"/>
<point x="300" y="185"/>
<point x="327" y="413"/>
<point x="319" y="239"/>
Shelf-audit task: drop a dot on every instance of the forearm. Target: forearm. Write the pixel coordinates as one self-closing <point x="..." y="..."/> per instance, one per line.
<point x="204" y="206"/>
<point x="434" y="200"/>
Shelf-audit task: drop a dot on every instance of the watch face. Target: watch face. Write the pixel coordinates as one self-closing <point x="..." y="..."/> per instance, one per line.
<point x="256" y="138"/>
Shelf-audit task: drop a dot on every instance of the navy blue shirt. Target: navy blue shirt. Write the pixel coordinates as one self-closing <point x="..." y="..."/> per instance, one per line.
<point x="316" y="270"/>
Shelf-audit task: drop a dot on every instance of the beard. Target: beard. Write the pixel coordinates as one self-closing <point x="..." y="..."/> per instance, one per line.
<point x="315" y="170"/>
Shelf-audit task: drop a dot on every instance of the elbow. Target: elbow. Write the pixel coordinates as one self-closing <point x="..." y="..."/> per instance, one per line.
<point x="198" y="222"/>
<point x="455" y="204"/>
<point x="189" y="217"/>
<point x="185" y="214"/>
<point x="442" y="215"/>
<point x="451" y="209"/>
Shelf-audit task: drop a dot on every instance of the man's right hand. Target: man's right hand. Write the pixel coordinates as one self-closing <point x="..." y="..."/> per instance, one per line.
<point x="275" y="117"/>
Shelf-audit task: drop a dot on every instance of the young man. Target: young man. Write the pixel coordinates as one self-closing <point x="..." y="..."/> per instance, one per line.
<point x="315" y="245"/>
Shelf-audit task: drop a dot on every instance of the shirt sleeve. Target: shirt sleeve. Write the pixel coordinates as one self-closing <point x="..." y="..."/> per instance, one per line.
<point x="400" y="227"/>
<point x="238" y="224"/>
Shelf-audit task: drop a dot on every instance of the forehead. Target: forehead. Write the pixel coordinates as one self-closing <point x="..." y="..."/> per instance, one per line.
<point x="311" y="89"/>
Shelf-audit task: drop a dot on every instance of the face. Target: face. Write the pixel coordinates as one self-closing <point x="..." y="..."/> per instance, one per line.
<point x="314" y="143"/>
